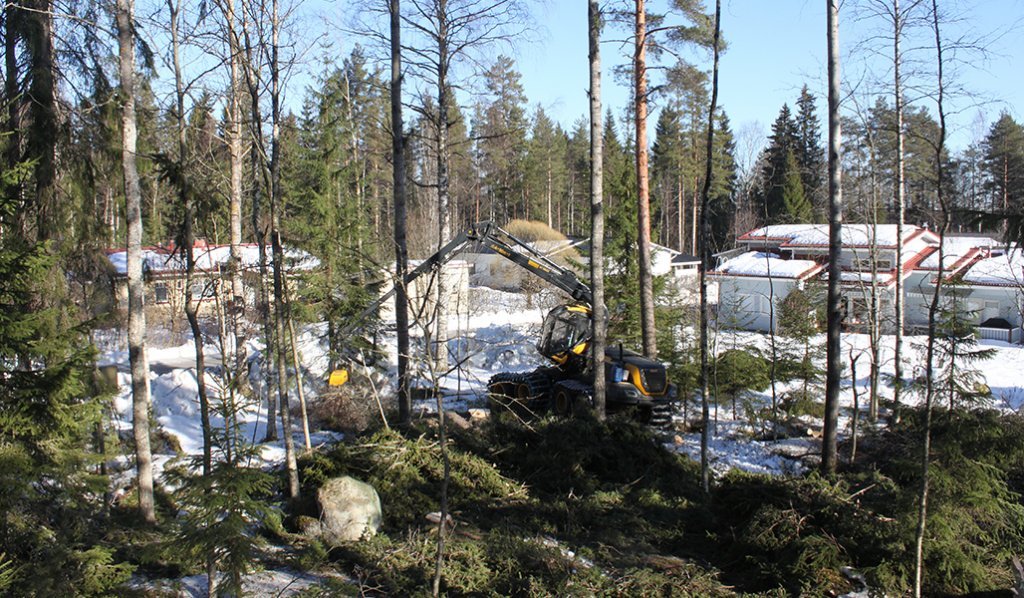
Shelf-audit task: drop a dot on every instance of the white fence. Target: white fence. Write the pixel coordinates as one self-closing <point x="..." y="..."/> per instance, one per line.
<point x="1013" y="335"/>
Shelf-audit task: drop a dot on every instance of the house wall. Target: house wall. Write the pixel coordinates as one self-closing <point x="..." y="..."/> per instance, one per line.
<point x="985" y="301"/>
<point x="743" y="302"/>
<point x="456" y="273"/>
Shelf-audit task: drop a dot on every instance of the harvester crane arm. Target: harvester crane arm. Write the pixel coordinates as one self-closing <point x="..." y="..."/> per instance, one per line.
<point x="504" y="244"/>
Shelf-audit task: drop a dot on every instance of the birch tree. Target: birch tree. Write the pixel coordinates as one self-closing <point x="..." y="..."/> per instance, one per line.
<point x="933" y="309"/>
<point x="124" y="14"/>
<point x="598" y="317"/>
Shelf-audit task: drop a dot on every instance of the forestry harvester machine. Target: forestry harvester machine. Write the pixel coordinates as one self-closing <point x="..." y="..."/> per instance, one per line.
<point x="634" y="383"/>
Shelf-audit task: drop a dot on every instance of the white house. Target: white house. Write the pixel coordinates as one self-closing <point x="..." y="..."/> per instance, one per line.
<point x="778" y="258"/>
<point x="752" y="285"/>
<point x="996" y="286"/>
<point x="165" y="274"/>
<point x="959" y="253"/>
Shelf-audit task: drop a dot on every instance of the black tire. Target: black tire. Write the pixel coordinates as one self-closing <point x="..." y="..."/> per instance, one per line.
<point x="564" y="402"/>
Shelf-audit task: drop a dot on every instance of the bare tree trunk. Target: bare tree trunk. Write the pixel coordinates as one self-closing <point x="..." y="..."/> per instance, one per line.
<point x="705" y="258"/>
<point x="897" y="60"/>
<point x="258" y="159"/>
<point x="12" y="75"/>
<point x="598" y="314"/>
<point x="188" y="246"/>
<point x="41" y="104"/>
<point x="834" y="359"/>
<point x="444" y="233"/>
<point x="125" y="15"/>
<point x="650" y="340"/>
<point x="856" y="407"/>
<point x="280" y="307"/>
<point x="235" y="342"/>
<point x="933" y="310"/>
<point x="297" y="364"/>
<point x="401" y="246"/>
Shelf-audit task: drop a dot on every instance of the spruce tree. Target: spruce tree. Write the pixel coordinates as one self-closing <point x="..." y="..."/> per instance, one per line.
<point x="722" y="209"/>
<point x="781" y="143"/>
<point x="810" y="156"/>
<point x="50" y="489"/>
<point x="795" y="207"/>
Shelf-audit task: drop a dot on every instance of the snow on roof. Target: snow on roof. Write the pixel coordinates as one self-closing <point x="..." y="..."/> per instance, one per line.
<point x="816" y="235"/>
<point x="885" y="278"/>
<point x="955" y="249"/>
<point x="1003" y="270"/>
<point x="211" y="257"/>
<point x="756" y="263"/>
<point x="685" y="258"/>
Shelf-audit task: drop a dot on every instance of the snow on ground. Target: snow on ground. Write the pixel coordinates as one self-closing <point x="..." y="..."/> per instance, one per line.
<point x="499" y="335"/>
<point x="278" y="582"/>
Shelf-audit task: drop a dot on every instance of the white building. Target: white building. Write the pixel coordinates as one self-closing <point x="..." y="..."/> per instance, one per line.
<point x="778" y="258"/>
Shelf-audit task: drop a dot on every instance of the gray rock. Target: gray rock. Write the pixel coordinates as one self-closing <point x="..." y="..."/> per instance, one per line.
<point x="350" y="510"/>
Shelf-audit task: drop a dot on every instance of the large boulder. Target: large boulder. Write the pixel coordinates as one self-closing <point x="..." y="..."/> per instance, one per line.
<point x="350" y="510"/>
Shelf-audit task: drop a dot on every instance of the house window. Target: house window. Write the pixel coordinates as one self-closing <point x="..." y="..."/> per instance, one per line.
<point x="202" y="289"/>
<point x="864" y="264"/>
<point x="859" y="310"/>
<point x="991" y="310"/>
<point x="160" y="292"/>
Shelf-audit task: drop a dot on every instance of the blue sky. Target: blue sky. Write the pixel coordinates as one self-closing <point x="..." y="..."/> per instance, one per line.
<point x="775" y="46"/>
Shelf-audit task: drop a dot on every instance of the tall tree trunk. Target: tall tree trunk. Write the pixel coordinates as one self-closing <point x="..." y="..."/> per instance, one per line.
<point x="598" y="314"/>
<point x="12" y="75"/>
<point x="922" y="512"/>
<point x="125" y="16"/>
<point x="235" y="343"/>
<point x="401" y="245"/>
<point x="41" y="146"/>
<point x="650" y="340"/>
<point x="834" y="358"/>
<point x="705" y="256"/>
<point x="280" y="307"/>
<point x="444" y="227"/>
<point x="897" y="61"/>
<point x="257" y="161"/>
<point x="188" y="246"/>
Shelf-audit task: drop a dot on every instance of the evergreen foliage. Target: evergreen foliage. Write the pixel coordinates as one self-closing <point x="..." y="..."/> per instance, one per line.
<point x="801" y="316"/>
<point x="809" y="153"/>
<point x="51" y="525"/>
<point x="795" y="207"/>
<point x="957" y="382"/>
<point x="781" y="143"/>
<point x="736" y="371"/>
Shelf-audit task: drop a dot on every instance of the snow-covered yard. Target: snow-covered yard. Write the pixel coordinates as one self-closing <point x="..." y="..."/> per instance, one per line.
<point x="498" y="335"/>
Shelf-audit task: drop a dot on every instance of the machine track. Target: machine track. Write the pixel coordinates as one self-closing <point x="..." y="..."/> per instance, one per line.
<point x="520" y="392"/>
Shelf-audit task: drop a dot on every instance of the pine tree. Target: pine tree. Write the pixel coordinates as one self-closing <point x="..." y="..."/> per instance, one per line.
<point x="501" y="130"/>
<point x="1004" y="165"/>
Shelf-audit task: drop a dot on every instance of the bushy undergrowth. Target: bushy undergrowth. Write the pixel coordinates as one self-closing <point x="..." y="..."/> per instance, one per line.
<point x="975" y="513"/>
<point x="579" y="507"/>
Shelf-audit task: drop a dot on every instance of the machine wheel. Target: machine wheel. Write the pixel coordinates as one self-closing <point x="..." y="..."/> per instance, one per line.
<point x="563" y="403"/>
